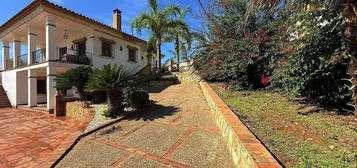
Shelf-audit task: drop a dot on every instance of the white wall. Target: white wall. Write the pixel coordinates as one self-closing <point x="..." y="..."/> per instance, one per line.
<point x="22" y="86"/>
<point x="9" y="85"/>
<point x="120" y="57"/>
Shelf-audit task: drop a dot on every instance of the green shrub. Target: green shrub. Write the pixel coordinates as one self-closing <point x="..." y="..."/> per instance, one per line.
<point x="136" y="97"/>
<point x="77" y="77"/>
<point x="316" y="61"/>
<point x="113" y="113"/>
<point x="240" y="58"/>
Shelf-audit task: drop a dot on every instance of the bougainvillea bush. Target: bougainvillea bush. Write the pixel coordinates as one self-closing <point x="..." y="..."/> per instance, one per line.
<point x="316" y="59"/>
<point x="239" y="57"/>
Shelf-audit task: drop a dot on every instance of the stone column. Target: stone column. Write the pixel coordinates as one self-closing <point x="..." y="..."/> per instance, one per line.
<point x="32" y="88"/>
<point x="50" y="39"/>
<point x="51" y="90"/>
<point x="16" y="51"/>
<point x="5" y="54"/>
<point x="31" y="46"/>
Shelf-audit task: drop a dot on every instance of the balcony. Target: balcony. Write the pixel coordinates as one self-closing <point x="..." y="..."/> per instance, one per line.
<point x="22" y="60"/>
<point x="39" y="56"/>
<point x="73" y="56"/>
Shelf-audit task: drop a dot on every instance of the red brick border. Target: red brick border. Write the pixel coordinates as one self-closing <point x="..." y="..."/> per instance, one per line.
<point x="246" y="149"/>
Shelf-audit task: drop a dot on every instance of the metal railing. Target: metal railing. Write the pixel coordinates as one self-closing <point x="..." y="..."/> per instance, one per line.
<point x="74" y="57"/>
<point x="22" y="60"/>
<point x="39" y="56"/>
<point x="10" y="63"/>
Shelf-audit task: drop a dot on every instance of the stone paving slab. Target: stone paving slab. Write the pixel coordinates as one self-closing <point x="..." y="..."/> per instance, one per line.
<point x="137" y="161"/>
<point x="30" y="139"/>
<point x="89" y="151"/>
<point x="204" y="156"/>
<point x="177" y="131"/>
<point x="154" y="138"/>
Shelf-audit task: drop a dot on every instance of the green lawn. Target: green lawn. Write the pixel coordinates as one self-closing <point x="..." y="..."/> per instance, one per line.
<point x="319" y="139"/>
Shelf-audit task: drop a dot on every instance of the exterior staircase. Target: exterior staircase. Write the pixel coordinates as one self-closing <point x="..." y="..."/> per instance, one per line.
<point x="4" y="101"/>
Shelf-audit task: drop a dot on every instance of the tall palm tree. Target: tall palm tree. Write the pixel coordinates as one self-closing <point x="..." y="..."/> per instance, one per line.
<point x="180" y="34"/>
<point x="111" y="78"/>
<point x="158" y="21"/>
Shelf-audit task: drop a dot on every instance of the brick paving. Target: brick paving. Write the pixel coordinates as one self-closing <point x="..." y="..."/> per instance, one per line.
<point x="177" y="131"/>
<point x="33" y="139"/>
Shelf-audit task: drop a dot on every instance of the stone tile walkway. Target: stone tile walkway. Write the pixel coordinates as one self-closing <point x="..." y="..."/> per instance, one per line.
<point x="177" y="131"/>
<point x="33" y="139"/>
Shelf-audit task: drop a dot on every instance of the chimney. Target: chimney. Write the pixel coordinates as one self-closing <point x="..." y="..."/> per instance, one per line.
<point x="117" y="19"/>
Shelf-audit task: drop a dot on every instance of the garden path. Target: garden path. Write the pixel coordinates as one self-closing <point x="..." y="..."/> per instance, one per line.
<point x="177" y="131"/>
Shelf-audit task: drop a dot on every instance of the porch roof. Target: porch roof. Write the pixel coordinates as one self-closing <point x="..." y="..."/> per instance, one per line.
<point x="37" y="3"/>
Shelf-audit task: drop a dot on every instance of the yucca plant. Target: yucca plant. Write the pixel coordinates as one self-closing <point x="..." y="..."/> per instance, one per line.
<point x="111" y="78"/>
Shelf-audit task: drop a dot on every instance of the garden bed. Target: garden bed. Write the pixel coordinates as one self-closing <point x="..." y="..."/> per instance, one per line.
<point x="298" y="135"/>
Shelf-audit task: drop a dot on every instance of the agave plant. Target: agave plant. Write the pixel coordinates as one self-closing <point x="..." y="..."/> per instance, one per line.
<point x="111" y="78"/>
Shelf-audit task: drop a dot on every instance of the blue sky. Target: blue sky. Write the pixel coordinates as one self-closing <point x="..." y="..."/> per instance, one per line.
<point x="102" y="11"/>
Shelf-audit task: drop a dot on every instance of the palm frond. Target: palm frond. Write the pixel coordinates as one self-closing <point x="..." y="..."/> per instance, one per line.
<point x="110" y="77"/>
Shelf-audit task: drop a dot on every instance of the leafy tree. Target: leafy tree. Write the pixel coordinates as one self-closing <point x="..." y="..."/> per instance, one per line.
<point x="158" y="21"/>
<point x="75" y="77"/>
<point x="111" y="78"/>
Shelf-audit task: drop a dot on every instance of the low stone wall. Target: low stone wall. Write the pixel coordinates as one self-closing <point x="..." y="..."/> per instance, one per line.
<point x="246" y="149"/>
<point x="188" y="77"/>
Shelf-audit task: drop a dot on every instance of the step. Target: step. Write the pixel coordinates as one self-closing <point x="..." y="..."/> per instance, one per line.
<point x="4" y="101"/>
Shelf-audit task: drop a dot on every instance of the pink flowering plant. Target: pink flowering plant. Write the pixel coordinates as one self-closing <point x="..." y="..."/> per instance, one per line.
<point x="239" y="56"/>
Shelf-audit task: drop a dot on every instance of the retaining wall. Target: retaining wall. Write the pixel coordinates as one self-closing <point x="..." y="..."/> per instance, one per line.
<point x="246" y="149"/>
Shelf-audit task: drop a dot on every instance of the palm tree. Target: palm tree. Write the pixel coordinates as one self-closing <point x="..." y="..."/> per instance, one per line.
<point x="158" y="21"/>
<point x="180" y="34"/>
<point x="111" y="78"/>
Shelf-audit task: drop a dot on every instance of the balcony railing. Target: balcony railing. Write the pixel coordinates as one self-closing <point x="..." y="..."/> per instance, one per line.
<point x="22" y="60"/>
<point x="74" y="57"/>
<point x="10" y="63"/>
<point x="39" y="56"/>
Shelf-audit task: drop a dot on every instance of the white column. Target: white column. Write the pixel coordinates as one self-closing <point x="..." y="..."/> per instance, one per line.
<point x="31" y="45"/>
<point x="50" y="39"/>
<point x="51" y="90"/>
<point x="16" y="51"/>
<point x="90" y="47"/>
<point x="5" y="54"/>
<point x="32" y="88"/>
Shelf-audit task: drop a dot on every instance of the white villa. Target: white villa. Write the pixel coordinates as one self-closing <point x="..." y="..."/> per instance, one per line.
<point x="45" y="39"/>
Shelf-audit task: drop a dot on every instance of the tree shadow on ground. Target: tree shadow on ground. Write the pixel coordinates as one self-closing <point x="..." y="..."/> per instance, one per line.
<point x="306" y="107"/>
<point x="153" y="89"/>
<point x="155" y="111"/>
